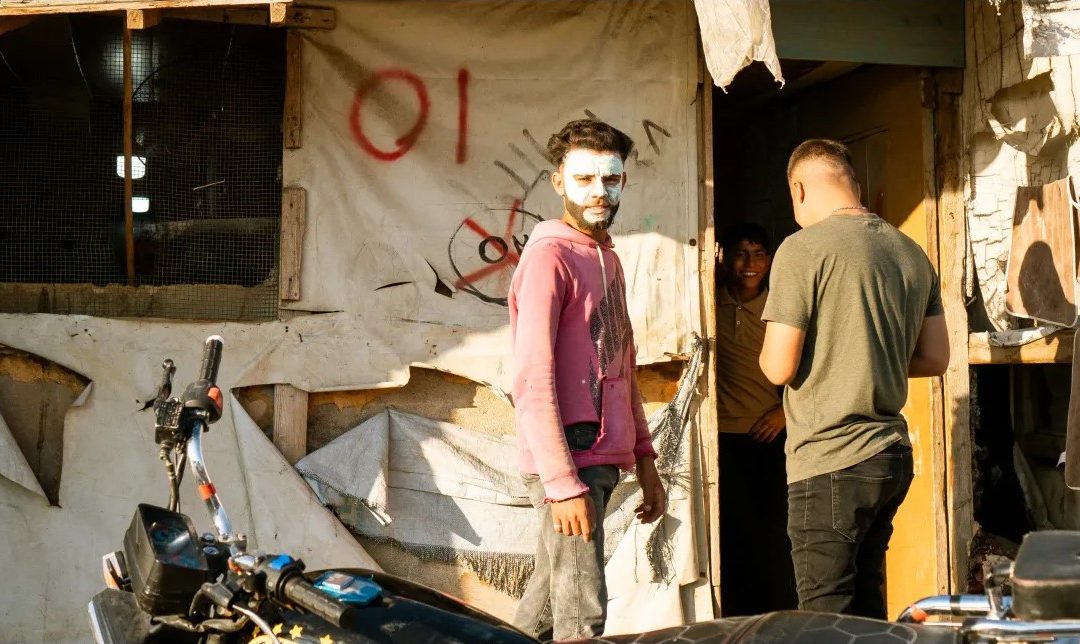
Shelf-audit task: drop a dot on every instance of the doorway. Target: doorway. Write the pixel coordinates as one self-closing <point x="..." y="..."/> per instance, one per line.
<point x="877" y="111"/>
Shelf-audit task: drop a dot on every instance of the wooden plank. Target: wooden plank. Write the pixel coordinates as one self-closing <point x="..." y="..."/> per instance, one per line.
<point x="295" y="17"/>
<point x="957" y="386"/>
<point x="938" y="467"/>
<point x="38" y="7"/>
<point x="293" y="115"/>
<point x="707" y="254"/>
<point x="277" y="12"/>
<point x="1041" y="271"/>
<point x="1055" y="348"/>
<point x="231" y="302"/>
<point x="902" y="32"/>
<point x="293" y="223"/>
<point x="129" y="217"/>
<point x="290" y="422"/>
<point x="142" y="18"/>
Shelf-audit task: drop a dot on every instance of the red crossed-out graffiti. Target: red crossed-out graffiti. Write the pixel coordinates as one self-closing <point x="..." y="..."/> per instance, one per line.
<point x="507" y="258"/>
<point x="406" y="141"/>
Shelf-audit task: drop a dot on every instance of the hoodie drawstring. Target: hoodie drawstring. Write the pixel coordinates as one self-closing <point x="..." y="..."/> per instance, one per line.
<point x="603" y="269"/>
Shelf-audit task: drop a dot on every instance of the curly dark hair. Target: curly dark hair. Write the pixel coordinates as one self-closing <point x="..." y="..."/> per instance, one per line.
<point x="588" y="134"/>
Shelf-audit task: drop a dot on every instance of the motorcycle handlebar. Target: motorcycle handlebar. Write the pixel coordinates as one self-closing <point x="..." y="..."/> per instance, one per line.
<point x="300" y="592"/>
<point x="211" y="358"/>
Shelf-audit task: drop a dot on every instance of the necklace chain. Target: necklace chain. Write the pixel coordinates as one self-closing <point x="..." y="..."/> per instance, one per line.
<point x="859" y="207"/>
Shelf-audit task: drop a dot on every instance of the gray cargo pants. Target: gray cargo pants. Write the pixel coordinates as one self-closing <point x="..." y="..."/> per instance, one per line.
<point x="566" y="597"/>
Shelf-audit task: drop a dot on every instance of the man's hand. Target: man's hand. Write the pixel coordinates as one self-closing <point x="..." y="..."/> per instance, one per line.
<point x="769" y="426"/>
<point x="654" y="499"/>
<point x="574" y="517"/>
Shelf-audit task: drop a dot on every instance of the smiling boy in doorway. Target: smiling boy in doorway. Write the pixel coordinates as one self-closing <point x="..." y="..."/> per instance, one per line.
<point x="755" y="551"/>
<point x="576" y="398"/>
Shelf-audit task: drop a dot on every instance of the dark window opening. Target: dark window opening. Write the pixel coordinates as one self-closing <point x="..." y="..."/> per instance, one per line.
<point x="206" y="163"/>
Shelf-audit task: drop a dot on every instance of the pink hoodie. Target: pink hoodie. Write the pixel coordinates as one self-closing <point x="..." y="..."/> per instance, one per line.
<point x="574" y="358"/>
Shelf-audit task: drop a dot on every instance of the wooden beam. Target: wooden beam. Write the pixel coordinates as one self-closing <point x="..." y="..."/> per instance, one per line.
<point x="707" y="255"/>
<point x="293" y="115"/>
<point x="953" y="242"/>
<point x="129" y="217"/>
<point x="11" y="23"/>
<point x="293" y="223"/>
<point x="1055" y="348"/>
<point x="39" y="7"/>
<point x="938" y="464"/>
<point x="277" y="12"/>
<point x="295" y="17"/>
<point x="290" y="422"/>
<point x="142" y="18"/>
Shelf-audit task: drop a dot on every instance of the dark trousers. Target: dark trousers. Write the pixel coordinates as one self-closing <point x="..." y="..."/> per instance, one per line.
<point x="566" y="597"/>
<point x="840" y="524"/>
<point x="755" y="553"/>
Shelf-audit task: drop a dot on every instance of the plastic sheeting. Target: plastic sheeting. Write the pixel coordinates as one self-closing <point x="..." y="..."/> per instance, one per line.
<point x="445" y="493"/>
<point x="735" y="33"/>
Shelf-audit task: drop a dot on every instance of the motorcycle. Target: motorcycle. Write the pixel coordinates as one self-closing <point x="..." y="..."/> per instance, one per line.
<point x="169" y="583"/>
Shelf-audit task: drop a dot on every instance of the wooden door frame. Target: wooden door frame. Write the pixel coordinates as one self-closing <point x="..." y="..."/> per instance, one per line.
<point x="947" y="243"/>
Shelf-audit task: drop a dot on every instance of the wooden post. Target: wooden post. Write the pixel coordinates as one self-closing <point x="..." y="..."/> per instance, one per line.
<point x="129" y="217"/>
<point x="293" y="223"/>
<point x="290" y="422"/>
<point x="938" y="465"/>
<point x="277" y="12"/>
<point x="293" y="117"/>
<point x="957" y="400"/>
<point x="142" y="18"/>
<point x="707" y="254"/>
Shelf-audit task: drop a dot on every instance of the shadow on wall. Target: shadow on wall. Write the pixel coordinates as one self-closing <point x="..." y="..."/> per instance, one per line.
<point x="1040" y="286"/>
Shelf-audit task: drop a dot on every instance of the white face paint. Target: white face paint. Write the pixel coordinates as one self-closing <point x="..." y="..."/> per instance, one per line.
<point x="593" y="180"/>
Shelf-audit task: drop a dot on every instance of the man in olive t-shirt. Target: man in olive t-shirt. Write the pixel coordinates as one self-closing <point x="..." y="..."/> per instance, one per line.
<point x="854" y="310"/>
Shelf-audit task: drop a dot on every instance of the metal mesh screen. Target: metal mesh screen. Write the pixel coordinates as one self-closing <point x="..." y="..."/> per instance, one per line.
<point x="206" y="126"/>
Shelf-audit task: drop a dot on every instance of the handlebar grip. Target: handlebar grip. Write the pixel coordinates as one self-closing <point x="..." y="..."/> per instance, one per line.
<point x="211" y="358"/>
<point x="299" y="591"/>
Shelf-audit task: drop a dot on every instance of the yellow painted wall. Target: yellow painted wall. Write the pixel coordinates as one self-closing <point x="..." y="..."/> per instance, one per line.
<point x="878" y="109"/>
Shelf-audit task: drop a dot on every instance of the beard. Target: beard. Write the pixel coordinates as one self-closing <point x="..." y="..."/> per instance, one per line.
<point x="577" y="211"/>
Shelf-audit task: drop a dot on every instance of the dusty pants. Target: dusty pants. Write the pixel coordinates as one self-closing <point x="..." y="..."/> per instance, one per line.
<point x="566" y="595"/>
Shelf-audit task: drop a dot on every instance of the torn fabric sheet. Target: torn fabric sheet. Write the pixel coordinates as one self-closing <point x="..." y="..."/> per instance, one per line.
<point x="13" y="465"/>
<point x="449" y="494"/>
<point x="735" y="33"/>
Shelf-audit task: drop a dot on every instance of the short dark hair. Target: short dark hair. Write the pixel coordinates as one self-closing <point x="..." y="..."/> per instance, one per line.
<point x="828" y="150"/>
<point x="744" y="231"/>
<point x="588" y="134"/>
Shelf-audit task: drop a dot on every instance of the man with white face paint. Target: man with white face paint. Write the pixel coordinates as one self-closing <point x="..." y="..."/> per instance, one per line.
<point x="579" y="411"/>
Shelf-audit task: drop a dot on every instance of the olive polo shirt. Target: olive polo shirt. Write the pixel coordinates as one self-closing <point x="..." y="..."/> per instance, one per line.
<point x="743" y="391"/>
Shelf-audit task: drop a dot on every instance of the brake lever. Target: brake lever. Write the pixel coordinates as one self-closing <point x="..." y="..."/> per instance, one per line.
<point x="168" y="368"/>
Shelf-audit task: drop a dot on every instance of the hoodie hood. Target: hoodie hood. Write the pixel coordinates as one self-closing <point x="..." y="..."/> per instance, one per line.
<point x="559" y="229"/>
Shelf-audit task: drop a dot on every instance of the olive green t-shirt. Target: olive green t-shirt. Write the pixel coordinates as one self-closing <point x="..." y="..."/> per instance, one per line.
<point x="860" y="289"/>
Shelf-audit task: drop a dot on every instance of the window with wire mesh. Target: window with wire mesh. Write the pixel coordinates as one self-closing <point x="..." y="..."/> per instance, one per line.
<point x="206" y="162"/>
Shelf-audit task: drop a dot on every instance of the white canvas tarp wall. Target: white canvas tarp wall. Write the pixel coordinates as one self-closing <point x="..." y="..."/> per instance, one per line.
<point x="475" y="83"/>
<point x="421" y="157"/>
